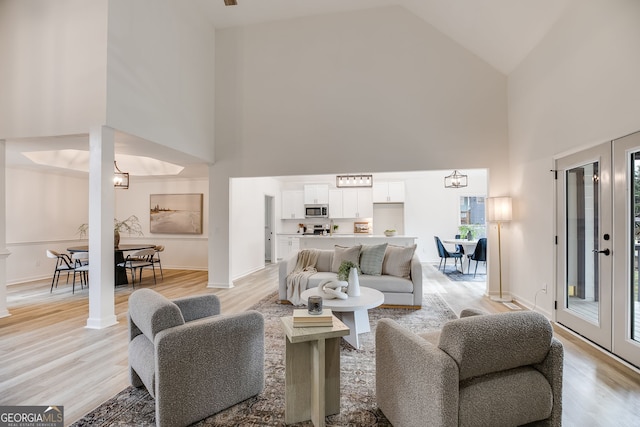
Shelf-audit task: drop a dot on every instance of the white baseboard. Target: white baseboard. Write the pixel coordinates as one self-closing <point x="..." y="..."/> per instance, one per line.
<point x="600" y="349"/>
<point x="220" y="285"/>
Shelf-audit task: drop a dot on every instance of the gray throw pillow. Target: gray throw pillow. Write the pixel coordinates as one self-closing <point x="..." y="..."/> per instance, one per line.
<point x="371" y="257"/>
<point x="397" y="261"/>
<point x="342" y="253"/>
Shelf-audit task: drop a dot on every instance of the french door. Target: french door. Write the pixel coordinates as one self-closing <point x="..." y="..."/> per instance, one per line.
<point x="598" y="213"/>
<point x="584" y="243"/>
<point x="626" y="228"/>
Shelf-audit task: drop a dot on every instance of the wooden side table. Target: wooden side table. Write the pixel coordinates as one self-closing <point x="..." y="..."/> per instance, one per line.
<point x="312" y="371"/>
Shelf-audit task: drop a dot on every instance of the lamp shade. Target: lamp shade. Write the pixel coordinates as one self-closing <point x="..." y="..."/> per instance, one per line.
<point x="499" y="209"/>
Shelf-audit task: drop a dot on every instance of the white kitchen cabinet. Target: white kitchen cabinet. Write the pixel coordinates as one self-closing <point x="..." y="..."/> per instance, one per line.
<point x="292" y="205"/>
<point x="287" y="246"/>
<point x="388" y="192"/>
<point x="335" y="204"/>
<point x="365" y="203"/>
<point x="357" y="203"/>
<point x="316" y="194"/>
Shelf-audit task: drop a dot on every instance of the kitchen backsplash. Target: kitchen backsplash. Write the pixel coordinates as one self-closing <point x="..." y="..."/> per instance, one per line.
<point x="344" y="226"/>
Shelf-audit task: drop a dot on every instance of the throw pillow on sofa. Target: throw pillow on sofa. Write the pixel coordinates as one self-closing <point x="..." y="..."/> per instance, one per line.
<point x="371" y="257"/>
<point x="397" y="261"/>
<point x="342" y="253"/>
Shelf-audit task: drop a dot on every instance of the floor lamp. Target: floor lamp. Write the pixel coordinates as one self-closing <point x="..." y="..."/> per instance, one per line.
<point x="499" y="211"/>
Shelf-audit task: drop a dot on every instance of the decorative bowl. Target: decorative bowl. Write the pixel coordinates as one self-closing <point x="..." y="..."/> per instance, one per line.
<point x="389" y="233"/>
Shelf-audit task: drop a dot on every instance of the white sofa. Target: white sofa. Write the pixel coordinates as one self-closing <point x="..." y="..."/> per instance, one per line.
<point x="398" y="291"/>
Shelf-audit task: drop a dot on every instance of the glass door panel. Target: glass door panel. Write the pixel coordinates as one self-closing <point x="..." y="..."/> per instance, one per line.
<point x="584" y="221"/>
<point x="626" y="298"/>
<point x="634" y="227"/>
<point x="581" y="283"/>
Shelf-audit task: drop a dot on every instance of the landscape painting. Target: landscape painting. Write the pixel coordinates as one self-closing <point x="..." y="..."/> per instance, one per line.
<point x="176" y="213"/>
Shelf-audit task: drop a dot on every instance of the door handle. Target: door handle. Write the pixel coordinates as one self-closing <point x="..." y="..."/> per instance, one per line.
<point x="606" y="251"/>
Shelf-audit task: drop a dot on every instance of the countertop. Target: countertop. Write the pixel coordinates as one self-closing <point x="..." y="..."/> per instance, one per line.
<point x="338" y="235"/>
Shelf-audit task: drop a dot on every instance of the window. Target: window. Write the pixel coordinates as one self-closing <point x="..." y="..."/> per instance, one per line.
<point x="472" y="216"/>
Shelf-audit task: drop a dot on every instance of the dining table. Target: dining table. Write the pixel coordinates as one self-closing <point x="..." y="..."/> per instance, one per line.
<point x="120" y="272"/>
<point x="468" y="245"/>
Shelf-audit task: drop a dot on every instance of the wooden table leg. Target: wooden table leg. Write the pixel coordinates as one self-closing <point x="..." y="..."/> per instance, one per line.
<point x="312" y="380"/>
<point x="317" y="383"/>
<point x="332" y="376"/>
<point x="297" y="382"/>
<point x="120" y="273"/>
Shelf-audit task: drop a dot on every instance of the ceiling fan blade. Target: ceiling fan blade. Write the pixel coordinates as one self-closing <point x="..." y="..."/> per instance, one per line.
<point x="230" y="2"/>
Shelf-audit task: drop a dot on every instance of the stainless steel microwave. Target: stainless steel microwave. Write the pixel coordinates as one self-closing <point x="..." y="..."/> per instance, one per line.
<point x="316" y="211"/>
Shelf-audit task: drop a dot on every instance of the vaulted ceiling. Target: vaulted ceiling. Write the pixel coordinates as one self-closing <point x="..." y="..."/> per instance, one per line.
<point x="502" y="32"/>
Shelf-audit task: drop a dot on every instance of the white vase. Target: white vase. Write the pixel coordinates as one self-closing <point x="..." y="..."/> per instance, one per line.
<point x="353" y="290"/>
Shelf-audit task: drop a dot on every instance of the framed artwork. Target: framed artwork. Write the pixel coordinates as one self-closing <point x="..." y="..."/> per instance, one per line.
<point x="176" y="213"/>
<point x="361" y="227"/>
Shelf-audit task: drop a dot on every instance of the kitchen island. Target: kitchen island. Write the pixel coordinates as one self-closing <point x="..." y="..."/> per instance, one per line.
<point x="329" y="241"/>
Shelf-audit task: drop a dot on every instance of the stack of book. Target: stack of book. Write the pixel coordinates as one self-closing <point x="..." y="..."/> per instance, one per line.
<point x="302" y="318"/>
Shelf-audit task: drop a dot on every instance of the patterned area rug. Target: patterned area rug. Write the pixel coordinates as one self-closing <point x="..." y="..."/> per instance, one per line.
<point x="135" y="407"/>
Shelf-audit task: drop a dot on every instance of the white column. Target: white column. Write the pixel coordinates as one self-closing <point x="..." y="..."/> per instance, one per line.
<point x="219" y="244"/>
<point x="101" y="208"/>
<point x="4" y="252"/>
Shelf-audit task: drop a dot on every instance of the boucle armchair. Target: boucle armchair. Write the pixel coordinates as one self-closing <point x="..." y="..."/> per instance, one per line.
<point x="480" y="370"/>
<point x="193" y="361"/>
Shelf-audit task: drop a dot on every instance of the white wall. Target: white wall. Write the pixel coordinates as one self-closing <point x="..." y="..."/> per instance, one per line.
<point x="368" y="91"/>
<point x="577" y="88"/>
<point x="388" y="216"/>
<point x="375" y="90"/>
<point x="160" y="82"/>
<point x="44" y="211"/>
<point x="53" y="73"/>
<point x="247" y="217"/>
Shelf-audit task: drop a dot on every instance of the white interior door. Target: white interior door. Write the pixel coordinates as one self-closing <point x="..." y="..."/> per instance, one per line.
<point x="584" y="223"/>
<point x="268" y="229"/>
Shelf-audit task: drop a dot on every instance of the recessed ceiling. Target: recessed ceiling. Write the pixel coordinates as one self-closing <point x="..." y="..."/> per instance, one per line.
<point x="78" y="160"/>
<point x="69" y="154"/>
<point x="502" y="32"/>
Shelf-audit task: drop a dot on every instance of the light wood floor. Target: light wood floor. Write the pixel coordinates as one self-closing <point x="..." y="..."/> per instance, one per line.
<point x="50" y="358"/>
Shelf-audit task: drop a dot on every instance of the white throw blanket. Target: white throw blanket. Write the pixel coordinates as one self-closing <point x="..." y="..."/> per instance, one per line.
<point x="298" y="279"/>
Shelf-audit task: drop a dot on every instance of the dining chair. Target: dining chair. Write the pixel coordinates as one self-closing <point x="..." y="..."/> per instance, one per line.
<point x="444" y="254"/>
<point x="63" y="265"/>
<point x="156" y="258"/>
<point x="80" y="266"/>
<point x="479" y="254"/>
<point x="139" y="260"/>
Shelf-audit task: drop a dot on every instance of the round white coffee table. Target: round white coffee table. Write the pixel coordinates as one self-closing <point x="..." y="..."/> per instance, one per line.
<point x="352" y="311"/>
